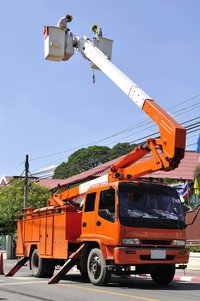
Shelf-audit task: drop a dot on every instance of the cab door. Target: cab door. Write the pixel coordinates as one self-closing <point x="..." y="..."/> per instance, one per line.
<point x="106" y="224"/>
<point x="88" y="217"/>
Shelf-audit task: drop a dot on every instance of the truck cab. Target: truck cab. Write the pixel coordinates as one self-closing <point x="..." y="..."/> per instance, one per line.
<point x="137" y="227"/>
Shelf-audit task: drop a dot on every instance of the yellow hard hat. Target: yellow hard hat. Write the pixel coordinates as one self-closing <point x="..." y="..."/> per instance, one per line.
<point x="94" y="27"/>
<point x="69" y="18"/>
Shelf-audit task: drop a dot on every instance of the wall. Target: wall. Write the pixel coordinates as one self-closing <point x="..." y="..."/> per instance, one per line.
<point x="193" y="231"/>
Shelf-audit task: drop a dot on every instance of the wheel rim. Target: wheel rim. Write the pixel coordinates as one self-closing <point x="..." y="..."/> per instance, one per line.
<point x="95" y="266"/>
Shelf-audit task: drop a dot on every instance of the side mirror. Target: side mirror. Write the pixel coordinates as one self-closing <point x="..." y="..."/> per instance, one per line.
<point x="185" y="208"/>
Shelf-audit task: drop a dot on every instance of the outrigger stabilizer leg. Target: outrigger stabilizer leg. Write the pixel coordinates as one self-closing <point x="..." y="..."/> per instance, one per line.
<point x="73" y="260"/>
<point x="17" y="266"/>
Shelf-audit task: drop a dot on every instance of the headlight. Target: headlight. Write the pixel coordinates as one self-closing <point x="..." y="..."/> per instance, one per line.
<point x="131" y="241"/>
<point x="178" y="243"/>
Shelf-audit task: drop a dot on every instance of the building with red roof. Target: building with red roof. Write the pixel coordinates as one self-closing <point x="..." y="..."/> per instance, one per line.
<point x="184" y="172"/>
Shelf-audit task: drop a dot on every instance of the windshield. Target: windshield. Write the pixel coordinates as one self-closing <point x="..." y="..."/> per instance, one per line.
<point x="150" y="205"/>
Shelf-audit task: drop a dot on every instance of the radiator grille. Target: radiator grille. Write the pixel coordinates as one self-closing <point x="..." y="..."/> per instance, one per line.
<point x="156" y="242"/>
<point x="148" y="257"/>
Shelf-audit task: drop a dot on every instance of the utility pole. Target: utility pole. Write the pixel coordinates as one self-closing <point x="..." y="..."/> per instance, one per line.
<point x="26" y="181"/>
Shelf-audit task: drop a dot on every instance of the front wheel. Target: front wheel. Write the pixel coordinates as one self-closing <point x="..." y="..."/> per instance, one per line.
<point x="96" y="268"/>
<point x="163" y="275"/>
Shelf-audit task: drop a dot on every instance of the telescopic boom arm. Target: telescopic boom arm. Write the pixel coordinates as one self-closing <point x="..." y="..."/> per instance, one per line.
<point x="172" y="136"/>
<point x="168" y="149"/>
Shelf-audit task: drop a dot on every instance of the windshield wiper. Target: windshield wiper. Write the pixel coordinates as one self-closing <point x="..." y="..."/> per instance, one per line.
<point x="163" y="215"/>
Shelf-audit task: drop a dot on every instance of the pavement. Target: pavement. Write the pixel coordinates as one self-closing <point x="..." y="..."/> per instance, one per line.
<point x="190" y="274"/>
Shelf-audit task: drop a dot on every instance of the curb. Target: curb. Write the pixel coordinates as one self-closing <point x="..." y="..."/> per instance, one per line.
<point x="193" y="279"/>
<point x="187" y="278"/>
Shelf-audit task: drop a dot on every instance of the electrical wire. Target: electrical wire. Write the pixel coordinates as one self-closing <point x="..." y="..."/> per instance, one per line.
<point x="144" y="125"/>
<point x="195" y="127"/>
<point x="136" y="142"/>
<point x="133" y="127"/>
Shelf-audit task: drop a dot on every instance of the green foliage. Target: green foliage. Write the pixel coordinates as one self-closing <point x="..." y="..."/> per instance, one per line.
<point x="170" y="181"/>
<point x="193" y="248"/>
<point x="87" y="158"/>
<point x="120" y="149"/>
<point x="11" y="202"/>
<point x="82" y="160"/>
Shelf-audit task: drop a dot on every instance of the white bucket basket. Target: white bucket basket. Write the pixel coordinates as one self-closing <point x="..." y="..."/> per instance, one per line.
<point x="58" y="46"/>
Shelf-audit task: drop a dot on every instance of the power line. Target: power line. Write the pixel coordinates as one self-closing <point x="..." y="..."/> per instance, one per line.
<point x="191" y="136"/>
<point x="133" y="127"/>
<point x="195" y="127"/>
<point x="186" y="100"/>
<point x="152" y="134"/>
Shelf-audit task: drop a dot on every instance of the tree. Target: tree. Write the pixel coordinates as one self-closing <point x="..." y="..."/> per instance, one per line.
<point x="121" y="149"/>
<point x="82" y="160"/>
<point x="87" y="158"/>
<point x="11" y="202"/>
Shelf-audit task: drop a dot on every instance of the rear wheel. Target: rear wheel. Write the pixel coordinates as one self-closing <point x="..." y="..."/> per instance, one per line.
<point x="163" y="275"/>
<point x="38" y="265"/>
<point x="96" y="268"/>
<point x="41" y="267"/>
<point x="50" y="268"/>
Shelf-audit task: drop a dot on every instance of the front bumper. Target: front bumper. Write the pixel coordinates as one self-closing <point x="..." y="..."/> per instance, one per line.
<point x="134" y="256"/>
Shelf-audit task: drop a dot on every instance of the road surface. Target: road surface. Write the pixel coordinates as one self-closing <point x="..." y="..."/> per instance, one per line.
<point x="24" y="287"/>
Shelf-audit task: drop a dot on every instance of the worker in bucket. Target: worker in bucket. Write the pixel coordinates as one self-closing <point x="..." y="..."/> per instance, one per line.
<point x="97" y="30"/>
<point x="62" y="23"/>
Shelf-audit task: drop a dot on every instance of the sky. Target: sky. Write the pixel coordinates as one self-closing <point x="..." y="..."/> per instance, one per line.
<point x="50" y="109"/>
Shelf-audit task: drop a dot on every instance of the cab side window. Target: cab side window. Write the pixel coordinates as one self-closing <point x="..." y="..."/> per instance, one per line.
<point x="107" y="205"/>
<point x="90" y="202"/>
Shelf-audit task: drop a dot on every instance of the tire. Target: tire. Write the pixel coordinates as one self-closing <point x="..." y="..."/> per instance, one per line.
<point x="96" y="268"/>
<point x="83" y="262"/>
<point x="49" y="268"/>
<point x="84" y="273"/>
<point x="163" y="275"/>
<point x="38" y="264"/>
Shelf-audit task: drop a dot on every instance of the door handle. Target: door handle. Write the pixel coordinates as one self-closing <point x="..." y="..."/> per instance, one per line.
<point x="98" y="223"/>
<point x="84" y="224"/>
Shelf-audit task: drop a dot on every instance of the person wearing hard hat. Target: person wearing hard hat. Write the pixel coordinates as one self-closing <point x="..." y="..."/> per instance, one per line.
<point x="97" y="30"/>
<point x="62" y="23"/>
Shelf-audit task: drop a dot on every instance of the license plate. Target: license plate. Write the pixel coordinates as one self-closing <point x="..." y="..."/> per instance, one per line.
<point x="158" y="254"/>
